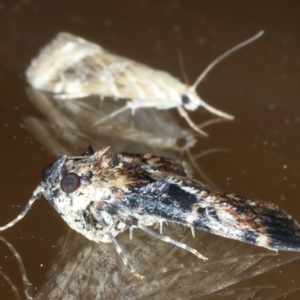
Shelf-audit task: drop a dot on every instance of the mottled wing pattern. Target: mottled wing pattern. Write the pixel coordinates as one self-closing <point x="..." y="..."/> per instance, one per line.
<point x="102" y="194"/>
<point x="140" y="190"/>
<point x="188" y="202"/>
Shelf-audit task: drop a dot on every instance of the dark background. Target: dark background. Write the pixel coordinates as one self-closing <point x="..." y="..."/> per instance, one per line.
<point x="258" y="84"/>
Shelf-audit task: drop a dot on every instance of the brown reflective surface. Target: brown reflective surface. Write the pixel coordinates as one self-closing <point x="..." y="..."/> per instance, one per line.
<point x="259" y="85"/>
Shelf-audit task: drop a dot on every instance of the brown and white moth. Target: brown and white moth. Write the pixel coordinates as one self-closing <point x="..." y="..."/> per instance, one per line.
<point x="102" y="194"/>
<point x="73" y="67"/>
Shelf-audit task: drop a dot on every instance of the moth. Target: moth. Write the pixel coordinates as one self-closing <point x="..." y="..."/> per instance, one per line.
<point x="73" y="67"/>
<point x="101" y="194"/>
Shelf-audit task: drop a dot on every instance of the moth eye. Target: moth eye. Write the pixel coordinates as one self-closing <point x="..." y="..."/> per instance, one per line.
<point x="185" y="99"/>
<point x="70" y="183"/>
<point x="45" y="171"/>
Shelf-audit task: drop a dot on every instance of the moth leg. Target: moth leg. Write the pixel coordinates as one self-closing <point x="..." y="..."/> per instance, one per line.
<point x="193" y="231"/>
<point x="130" y="232"/>
<point x="35" y="196"/>
<point x="99" y="217"/>
<point x="11" y="284"/>
<point x="174" y="242"/>
<point x="185" y="115"/>
<point x="160" y="226"/>
<point x="111" y="115"/>
<point x="123" y="257"/>
<point x="71" y="96"/>
<point x="26" y="283"/>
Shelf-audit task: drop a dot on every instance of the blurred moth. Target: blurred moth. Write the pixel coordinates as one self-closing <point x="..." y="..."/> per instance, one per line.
<point x="74" y="67"/>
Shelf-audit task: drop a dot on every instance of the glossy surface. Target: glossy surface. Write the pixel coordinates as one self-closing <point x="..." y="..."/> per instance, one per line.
<point x="259" y="85"/>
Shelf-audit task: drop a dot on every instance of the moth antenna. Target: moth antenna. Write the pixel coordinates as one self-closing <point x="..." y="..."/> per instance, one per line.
<point x="227" y="53"/>
<point x="11" y="284"/>
<point x="181" y="65"/>
<point x="35" y="196"/>
<point x="171" y="241"/>
<point x="26" y="283"/>
<point x="123" y="257"/>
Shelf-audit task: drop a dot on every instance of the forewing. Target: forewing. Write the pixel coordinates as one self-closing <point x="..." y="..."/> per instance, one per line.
<point x="73" y="66"/>
<point x="188" y="202"/>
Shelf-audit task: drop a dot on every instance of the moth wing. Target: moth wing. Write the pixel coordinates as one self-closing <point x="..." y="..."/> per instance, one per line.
<point x="186" y="201"/>
<point x="255" y="222"/>
<point x="73" y="66"/>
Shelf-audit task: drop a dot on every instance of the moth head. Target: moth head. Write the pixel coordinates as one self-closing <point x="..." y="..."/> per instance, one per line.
<point x="190" y="100"/>
<point x="57" y="177"/>
<point x="51" y="176"/>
